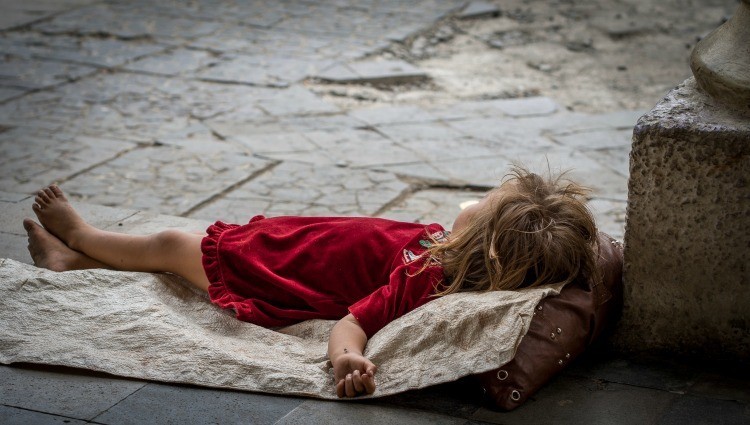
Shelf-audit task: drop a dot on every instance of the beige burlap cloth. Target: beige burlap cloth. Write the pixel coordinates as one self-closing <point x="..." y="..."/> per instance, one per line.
<point x="154" y="326"/>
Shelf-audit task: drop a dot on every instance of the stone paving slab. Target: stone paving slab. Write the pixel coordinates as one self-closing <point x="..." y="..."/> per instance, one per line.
<point x="616" y="159"/>
<point x="13" y="245"/>
<point x="392" y="114"/>
<point x="179" y="61"/>
<point x="696" y="410"/>
<point x="92" y="51"/>
<point x="431" y="206"/>
<point x="126" y="22"/>
<point x="244" y="40"/>
<point x="504" y="135"/>
<point x="596" y="139"/>
<point x="296" y="101"/>
<point x="157" y="403"/>
<point x="80" y="396"/>
<point x="610" y="216"/>
<point x="306" y="189"/>
<point x="16" y="14"/>
<point x="313" y="411"/>
<point x="32" y="160"/>
<point x="27" y="74"/>
<point x="373" y="72"/>
<point x="359" y="148"/>
<point x="576" y="401"/>
<point x="479" y="9"/>
<point x="255" y="13"/>
<point x="717" y="385"/>
<point x="163" y="179"/>
<point x="7" y="93"/>
<point x="136" y="107"/>
<point x="435" y="142"/>
<point x="16" y="416"/>
<point x="263" y="70"/>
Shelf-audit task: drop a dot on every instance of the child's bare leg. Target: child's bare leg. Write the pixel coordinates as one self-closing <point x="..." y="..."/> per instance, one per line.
<point x="51" y="253"/>
<point x="168" y="251"/>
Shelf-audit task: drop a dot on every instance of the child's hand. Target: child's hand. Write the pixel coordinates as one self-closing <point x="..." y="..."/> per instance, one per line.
<point x="354" y="375"/>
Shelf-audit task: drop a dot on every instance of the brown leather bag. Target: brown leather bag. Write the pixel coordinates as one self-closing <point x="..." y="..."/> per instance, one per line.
<point x="563" y="326"/>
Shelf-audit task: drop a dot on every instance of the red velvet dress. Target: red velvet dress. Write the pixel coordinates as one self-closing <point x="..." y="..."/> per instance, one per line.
<point x="282" y="270"/>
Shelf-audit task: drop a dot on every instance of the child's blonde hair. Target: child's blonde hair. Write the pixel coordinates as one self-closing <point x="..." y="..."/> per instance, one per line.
<point x="535" y="231"/>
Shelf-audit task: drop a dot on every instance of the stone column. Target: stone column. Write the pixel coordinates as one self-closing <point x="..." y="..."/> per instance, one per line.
<point x="721" y="61"/>
<point x="687" y="238"/>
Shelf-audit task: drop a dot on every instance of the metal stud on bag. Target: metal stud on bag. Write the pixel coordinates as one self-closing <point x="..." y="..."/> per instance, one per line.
<point x="502" y="375"/>
<point x="515" y="395"/>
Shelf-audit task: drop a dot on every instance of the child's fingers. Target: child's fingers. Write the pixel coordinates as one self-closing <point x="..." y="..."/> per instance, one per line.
<point x="371" y="369"/>
<point x="349" y="386"/>
<point x="369" y="383"/>
<point x="340" y="392"/>
<point x="357" y="381"/>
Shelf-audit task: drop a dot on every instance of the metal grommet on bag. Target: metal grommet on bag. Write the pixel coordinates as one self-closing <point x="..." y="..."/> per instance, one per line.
<point x="502" y="375"/>
<point x="515" y="395"/>
<point x="559" y="330"/>
<point x="560" y="362"/>
<point x="552" y="335"/>
<point x="567" y="355"/>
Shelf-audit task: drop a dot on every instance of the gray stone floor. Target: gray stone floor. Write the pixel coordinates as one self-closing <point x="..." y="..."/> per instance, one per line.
<point x="174" y="114"/>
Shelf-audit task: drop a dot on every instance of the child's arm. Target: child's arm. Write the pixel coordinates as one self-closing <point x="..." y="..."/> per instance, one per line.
<point x="354" y="374"/>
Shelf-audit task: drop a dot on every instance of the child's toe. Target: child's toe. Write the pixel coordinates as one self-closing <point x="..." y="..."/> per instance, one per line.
<point x="55" y="189"/>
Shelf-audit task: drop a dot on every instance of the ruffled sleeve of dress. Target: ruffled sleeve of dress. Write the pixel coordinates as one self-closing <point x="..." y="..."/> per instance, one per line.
<point x="410" y="286"/>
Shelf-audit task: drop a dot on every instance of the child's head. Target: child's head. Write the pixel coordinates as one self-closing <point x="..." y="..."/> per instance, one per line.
<point x="528" y="231"/>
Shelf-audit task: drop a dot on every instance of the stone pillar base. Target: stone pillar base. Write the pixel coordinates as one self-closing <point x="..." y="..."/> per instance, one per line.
<point x="687" y="238"/>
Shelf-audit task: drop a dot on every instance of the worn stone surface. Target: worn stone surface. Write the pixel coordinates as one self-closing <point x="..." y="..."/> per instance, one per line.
<point x="30" y="160"/>
<point x="175" y="62"/>
<point x="326" y="412"/>
<point x="373" y="71"/>
<point x="16" y="416"/>
<point x="78" y="396"/>
<point x="265" y="70"/>
<point x="431" y="206"/>
<point x="91" y="50"/>
<point x="306" y="189"/>
<point x="574" y="400"/>
<point x="26" y="73"/>
<point x="16" y="14"/>
<point x="163" y="179"/>
<point x="126" y="22"/>
<point x="156" y="403"/>
<point x="479" y="9"/>
<point x="686" y="247"/>
<point x="721" y="61"/>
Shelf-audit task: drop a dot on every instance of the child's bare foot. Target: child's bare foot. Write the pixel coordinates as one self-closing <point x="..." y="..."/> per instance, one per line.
<point x="51" y="253"/>
<point x="57" y="215"/>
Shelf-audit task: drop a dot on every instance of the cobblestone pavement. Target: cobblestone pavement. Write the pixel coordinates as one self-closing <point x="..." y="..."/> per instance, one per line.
<point x="174" y="114"/>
